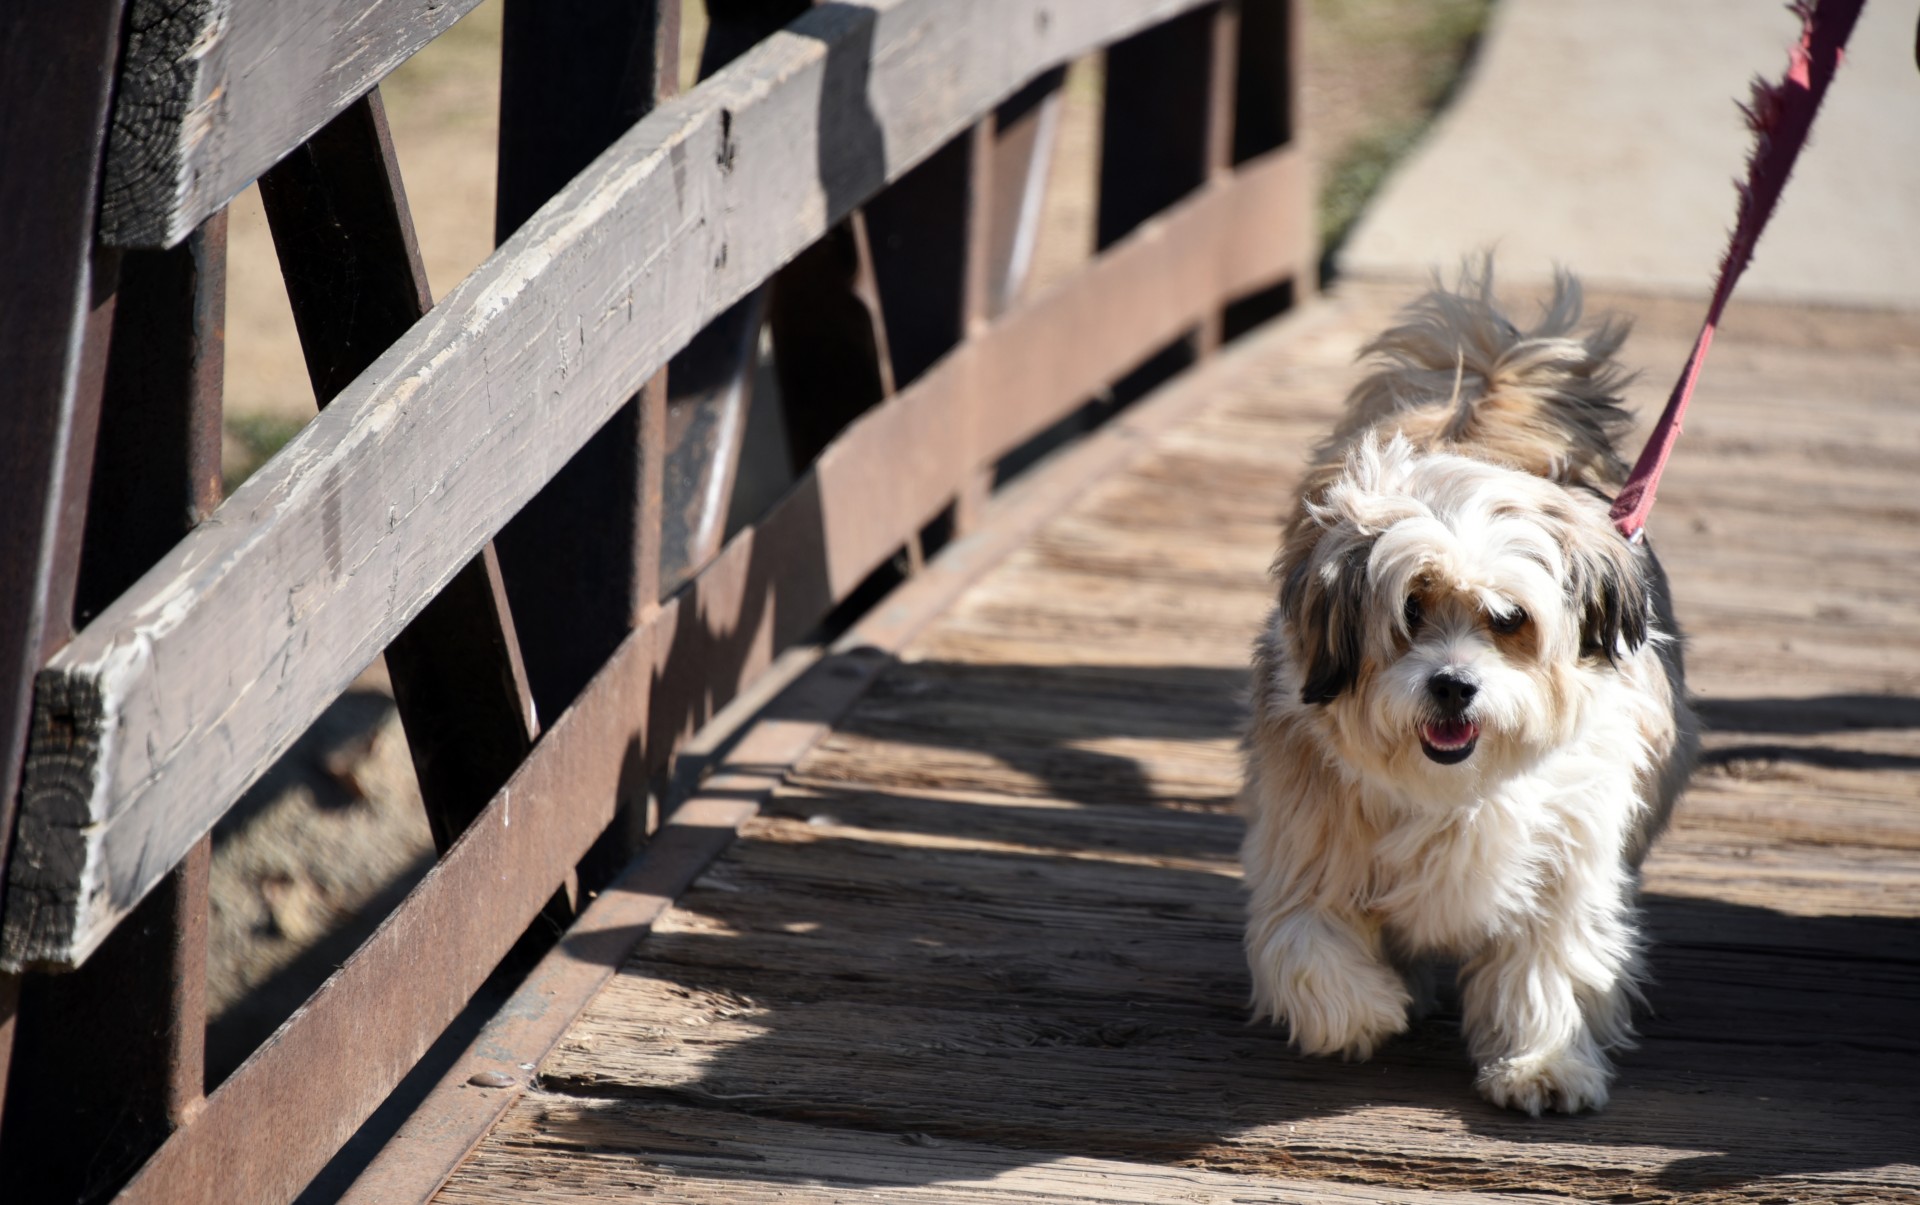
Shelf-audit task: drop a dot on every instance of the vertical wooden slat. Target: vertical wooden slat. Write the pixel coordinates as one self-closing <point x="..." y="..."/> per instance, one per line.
<point x="920" y="230"/>
<point x="111" y="1058"/>
<point x="1166" y="129"/>
<point x="830" y="343"/>
<point x="1155" y="143"/>
<point x="56" y="78"/>
<point x="1222" y="65"/>
<point x="355" y="280"/>
<point x="581" y="560"/>
<point x="987" y="264"/>
<point x="156" y="466"/>
<point x="734" y="26"/>
<point x="1266" y="89"/>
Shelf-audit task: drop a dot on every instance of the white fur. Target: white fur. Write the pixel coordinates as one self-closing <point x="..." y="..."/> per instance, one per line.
<point x="1364" y="855"/>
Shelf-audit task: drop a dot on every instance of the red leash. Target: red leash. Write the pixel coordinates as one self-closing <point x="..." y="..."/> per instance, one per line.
<point x="1780" y="115"/>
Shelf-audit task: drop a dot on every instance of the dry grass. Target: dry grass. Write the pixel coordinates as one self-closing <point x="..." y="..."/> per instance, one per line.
<point x="1375" y="74"/>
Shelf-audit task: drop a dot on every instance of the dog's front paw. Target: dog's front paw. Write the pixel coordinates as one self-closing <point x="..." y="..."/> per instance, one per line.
<point x="1339" y="1008"/>
<point x="1566" y="1081"/>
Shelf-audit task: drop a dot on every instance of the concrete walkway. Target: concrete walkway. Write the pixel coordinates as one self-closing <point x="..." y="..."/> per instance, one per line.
<point x="1603" y="135"/>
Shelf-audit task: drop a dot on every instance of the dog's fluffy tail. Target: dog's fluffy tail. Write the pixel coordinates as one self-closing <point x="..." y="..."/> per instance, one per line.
<point x="1456" y="375"/>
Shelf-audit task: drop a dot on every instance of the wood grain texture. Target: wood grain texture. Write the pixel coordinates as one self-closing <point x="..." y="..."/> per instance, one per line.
<point x="189" y="684"/>
<point x="212" y="93"/>
<point x="984" y="945"/>
<point x="587" y="1148"/>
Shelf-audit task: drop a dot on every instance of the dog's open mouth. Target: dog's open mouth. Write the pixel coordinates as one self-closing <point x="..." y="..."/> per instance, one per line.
<point x="1449" y="742"/>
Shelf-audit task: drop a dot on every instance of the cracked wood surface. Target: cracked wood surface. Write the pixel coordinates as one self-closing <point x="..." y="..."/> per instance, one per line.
<point x="984" y="944"/>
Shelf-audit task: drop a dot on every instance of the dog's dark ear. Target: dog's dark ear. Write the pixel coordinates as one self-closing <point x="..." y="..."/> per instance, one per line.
<point x="1612" y="592"/>
<point x="1325" y="605"/>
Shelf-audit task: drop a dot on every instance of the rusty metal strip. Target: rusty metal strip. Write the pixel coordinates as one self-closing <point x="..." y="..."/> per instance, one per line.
<point x="277" y="1120"/>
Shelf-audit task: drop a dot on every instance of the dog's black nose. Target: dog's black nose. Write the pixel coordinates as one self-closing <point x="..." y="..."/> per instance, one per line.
<point x="1452" y="690"/>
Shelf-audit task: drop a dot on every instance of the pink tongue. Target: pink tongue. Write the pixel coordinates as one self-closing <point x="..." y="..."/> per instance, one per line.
<point x="1448" y="734"/>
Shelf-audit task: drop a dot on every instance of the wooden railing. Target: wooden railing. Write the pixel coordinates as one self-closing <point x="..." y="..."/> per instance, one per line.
<point x="517" y="494"/>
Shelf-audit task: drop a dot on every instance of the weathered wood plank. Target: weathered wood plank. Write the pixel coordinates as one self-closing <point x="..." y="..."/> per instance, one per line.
<point x="1068" y="980"/>
<point x="183" y="689"/>
<point x="998" y="910"/>
<point x="213" y="93"/>
<point x="565" y="1149"/>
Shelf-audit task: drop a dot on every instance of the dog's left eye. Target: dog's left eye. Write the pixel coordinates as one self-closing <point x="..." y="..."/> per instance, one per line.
<point x="1509" y="623"/>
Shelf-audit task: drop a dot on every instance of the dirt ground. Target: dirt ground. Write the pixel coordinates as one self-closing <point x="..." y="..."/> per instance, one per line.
<point x="334" y="835"/>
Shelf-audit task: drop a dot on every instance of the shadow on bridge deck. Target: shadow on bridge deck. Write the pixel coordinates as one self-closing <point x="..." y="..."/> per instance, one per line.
<point x="983" y="945"/>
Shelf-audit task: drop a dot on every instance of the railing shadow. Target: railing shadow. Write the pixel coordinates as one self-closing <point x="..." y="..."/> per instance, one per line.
<point x="1067" y="980"/>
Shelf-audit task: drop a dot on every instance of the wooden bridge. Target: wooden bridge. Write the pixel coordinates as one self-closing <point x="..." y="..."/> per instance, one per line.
<point x="977" y="937"/>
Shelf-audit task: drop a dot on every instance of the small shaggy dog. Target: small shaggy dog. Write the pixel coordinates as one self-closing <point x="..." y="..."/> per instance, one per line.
<point x="1470" y="719"/>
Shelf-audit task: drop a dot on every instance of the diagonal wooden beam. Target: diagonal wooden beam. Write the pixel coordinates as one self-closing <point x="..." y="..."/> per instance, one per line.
<point x="354" y="277"/>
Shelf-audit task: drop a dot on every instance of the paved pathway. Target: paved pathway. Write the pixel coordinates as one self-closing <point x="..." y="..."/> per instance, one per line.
<point x="1603" y="134"/>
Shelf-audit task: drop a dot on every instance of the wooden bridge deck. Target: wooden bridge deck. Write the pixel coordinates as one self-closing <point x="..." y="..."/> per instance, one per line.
<point x="983" y="943"/>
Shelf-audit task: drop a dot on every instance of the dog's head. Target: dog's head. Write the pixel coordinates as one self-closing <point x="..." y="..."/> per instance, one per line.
<point x="1440" y="611"/>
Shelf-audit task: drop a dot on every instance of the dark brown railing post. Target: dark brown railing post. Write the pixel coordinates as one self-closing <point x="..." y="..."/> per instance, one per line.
<point x="1166" y="130"/>
<point x="1265" y="118"/>
<point x="1009" y="186"/>
<point x="110" y="1059"/>
<point x="582" y="560"/>
<point x="56" y="81"/>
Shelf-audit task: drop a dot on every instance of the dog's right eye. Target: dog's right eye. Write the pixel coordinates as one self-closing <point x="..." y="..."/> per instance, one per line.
<point x="1413" y="613"/>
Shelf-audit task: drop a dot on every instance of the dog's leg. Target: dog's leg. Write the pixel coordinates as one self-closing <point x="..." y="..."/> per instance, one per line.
<point x="1327" y="976"/>
<point x="1541" y="1005"/>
